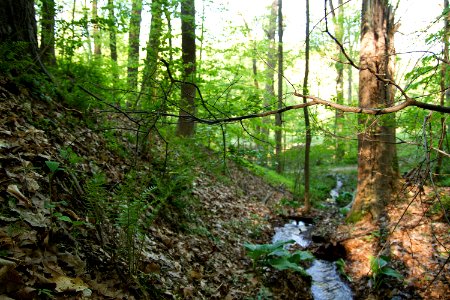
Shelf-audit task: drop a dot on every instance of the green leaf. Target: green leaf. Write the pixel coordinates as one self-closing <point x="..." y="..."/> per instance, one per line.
<point x="283" y="263"/>
<point x="391" y="272"/>
<point x="299" y="256"/>
<point x="52" y="165"/>
<point x="65" y="219"/>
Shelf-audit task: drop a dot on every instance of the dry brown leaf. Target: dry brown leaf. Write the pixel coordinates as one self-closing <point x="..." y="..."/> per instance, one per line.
<point x="13" y="190"/>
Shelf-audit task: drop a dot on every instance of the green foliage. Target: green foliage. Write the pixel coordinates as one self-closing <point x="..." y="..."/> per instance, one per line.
<point x="381" y="271"/>
<point x="340" y="264"/>
<point x="277" y="256"/>
<point x="13" y="62"/>
<point x="53" y="166"/>
<point x="344" y="199"/>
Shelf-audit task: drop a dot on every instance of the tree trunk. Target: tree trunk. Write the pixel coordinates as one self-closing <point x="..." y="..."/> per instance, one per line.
<point x="444" y="84"/>
<point x="153" y="45"/>
<point x="377" y="164"/>
<point x="112" y="31"/>
<point x="186" y="126"/>
<point x="133" y="44"/>
<point x="269" y="95"/>
<point x="47" y="47"/>
<point x="96" y="29"/>
<point x="278" y="120"/>
<point x="18" y="24"/>
<point x="306" y="168"/>
<point x="338" y="20"/>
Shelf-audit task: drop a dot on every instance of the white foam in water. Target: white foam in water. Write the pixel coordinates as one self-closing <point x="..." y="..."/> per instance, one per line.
<point x="326" y="284"/>
<point x="292" y="231"/>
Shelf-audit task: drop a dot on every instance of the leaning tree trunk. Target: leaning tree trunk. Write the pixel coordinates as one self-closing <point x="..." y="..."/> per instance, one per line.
<point x="377" y="165"/>
<point x="18" y="24"/>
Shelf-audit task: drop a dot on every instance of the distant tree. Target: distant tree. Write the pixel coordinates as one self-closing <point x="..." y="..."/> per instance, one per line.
<point x="112" y="30"/>
<point x="377" y="164"/>
<point x="134" y="44"/>
<point x="308" y="139"/>
<point x="96" y="29"/>
<point x="271" y="61"/>
<point x="153" y="48"/>
<point x="278" y="117"/>
<point x="338" y="20"/>
<point x="47" y="47"/>
<point x="186" y="126"/>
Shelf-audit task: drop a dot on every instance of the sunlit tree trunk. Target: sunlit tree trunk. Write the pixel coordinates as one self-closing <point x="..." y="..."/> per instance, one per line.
<point x="306" y="168"/>
<point x="112" y="31"/>
<point x="185" y="126"/>
<point x="47" y="47"/>
<point x="338" y="20"/>
<point x="153" y="45"/>
<point x="278" y="119"/>
<point x="133" y="44"/>
<point x="444" y="84"/>
<point x="96" y="29"/>
<point x="377" y="165"/>
<point x="269" y="95"/>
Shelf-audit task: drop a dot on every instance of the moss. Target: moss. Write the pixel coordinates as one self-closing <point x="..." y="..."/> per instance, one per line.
<point x="354" y="217"/>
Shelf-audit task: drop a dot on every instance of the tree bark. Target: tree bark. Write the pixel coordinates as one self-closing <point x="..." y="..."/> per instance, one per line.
<point x="47" y="47"/>
<point x="186" y="126"/>
<point x="112" y="31"/>
<point x="269" y="95"/>
<point x="308" y="139"/>
<point x="133" y="44"/>
<point x="278" y="119"/>
<point x="153" y="45"/>
<point x="338" y="20"/>
<point x="96" y="29"/>
<point x="444" y="84"/>
<point x="377" y="164"/>
<point x="18" y="24"/>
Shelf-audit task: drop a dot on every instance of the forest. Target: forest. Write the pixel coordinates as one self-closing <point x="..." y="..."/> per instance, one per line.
<point x="213" y="149"/>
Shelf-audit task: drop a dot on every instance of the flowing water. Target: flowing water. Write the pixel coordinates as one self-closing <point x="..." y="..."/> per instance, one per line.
<point x="326" y="283"/>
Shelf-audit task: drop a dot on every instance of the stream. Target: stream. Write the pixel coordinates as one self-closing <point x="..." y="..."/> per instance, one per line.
<point x="326" y="283"/>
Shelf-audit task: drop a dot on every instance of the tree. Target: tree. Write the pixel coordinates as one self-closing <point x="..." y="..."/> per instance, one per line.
<point x="338" y="20"/>
<point x="18" y="24"/>
<point x="133" y="44"/>
<point x="185" y="126"/>
<point x="153" y="45"/>
<point x="444" y="84"/>
<point x="308" y="139"/>
<point x="112" y="31"/>
<point x="377" y="164"/>
<point x="96" y="29"/>
<point x="270" y="31"/>
<point x="278" y="120"/>
<point x="47" y="47"/>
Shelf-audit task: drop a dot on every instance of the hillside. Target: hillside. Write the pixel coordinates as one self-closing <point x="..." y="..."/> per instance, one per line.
<point x="60" y="237"/>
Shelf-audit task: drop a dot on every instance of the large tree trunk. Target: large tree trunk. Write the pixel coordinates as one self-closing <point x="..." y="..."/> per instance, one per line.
<point x="133" y="44"/>
<point x="18" y="24"/>
<point x="47" y="47"/>
<point x="278" y="120"/>
<point x="185" y="126"/>
<point x="377" y="165"/>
